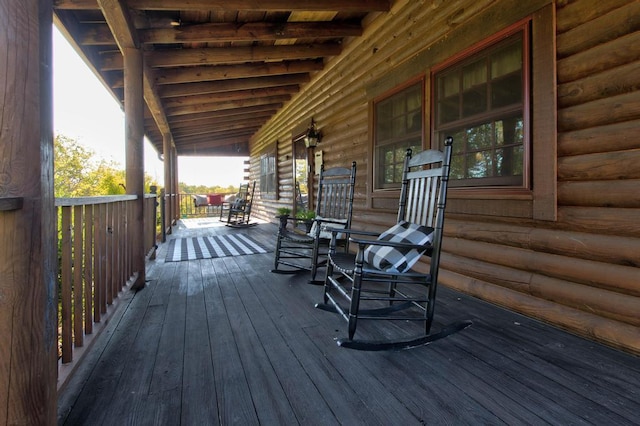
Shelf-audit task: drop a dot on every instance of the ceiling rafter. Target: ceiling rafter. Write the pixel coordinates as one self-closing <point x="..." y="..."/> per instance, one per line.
<point x="263" y="5"/>
<point x="250" y="31"/>
<point x="215" y="71"/>
<point x="119" y="21"/>
<point x="231" y="84"/>
<point x="223" y="55"/>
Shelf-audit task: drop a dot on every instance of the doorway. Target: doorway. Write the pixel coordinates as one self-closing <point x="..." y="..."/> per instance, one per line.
<point x="300" y="176"/>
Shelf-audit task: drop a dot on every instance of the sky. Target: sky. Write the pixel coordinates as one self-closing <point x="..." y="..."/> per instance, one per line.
<point x="85" y="110"/>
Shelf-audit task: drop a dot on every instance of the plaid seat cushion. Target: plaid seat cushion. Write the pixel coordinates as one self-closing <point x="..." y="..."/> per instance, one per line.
<point x="394" y="259"/>
<point x="331" y="223"/>
<point x="238" y="203"/>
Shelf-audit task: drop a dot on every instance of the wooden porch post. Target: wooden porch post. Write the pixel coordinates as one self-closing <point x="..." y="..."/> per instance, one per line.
<point x="175" y="188"/>
<point x="168" y="163"/>
<point x="134" y="136"/>
<point x="28" y="351"/>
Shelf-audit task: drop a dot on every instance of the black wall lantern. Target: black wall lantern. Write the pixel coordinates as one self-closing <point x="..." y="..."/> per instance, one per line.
<point x="313" y="136"/>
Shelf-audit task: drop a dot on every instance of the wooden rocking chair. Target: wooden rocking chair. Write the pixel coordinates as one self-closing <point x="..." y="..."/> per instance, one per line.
<point x="334" y="203"/>
<point x="238" y="212"/>
<point x="377" y="282"/>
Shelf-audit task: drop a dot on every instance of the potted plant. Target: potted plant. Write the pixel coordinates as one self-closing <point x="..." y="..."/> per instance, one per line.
<point x="306" y="217"/>
<point x="283" y="211"/>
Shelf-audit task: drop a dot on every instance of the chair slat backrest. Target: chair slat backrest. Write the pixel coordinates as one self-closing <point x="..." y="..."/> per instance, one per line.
<point x="423" y="184"/>
<point x="335" y="192"/>
<point x="424" y="193"/>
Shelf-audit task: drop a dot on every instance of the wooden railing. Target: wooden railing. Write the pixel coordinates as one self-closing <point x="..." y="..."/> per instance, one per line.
<point x="95" y="253"/>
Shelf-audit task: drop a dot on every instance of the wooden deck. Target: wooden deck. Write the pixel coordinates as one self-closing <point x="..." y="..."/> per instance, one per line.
<point x="224" y="341"/>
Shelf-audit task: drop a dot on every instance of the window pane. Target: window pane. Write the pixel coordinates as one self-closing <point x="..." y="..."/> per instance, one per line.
<point x="479" y="102"/>
<point x="507" y="60"/>
<point x="479" y="164"/>
<point x="474" y="74"/>
<point x="449" y="85"/>
<point x="474" y="101"/>
<point x="398" y="126"/>
<point x="479" y="138"/>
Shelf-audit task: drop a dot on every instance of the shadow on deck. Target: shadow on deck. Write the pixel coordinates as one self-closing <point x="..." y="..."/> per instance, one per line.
<point x="224" y="341"/>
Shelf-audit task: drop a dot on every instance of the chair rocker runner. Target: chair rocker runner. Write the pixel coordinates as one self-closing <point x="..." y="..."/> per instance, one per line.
<point x="334" y="203"/>
<point x="237" y="212"/>
<point x="377" y="282"/>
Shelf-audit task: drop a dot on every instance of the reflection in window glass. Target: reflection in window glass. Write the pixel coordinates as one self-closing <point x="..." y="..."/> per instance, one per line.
<point x="480" y="103"/>
<point x="398" y="123"/>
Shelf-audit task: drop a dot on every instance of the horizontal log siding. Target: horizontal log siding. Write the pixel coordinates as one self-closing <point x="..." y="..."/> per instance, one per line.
<point x="579" y="272"/>
<point x="598" y="163"/>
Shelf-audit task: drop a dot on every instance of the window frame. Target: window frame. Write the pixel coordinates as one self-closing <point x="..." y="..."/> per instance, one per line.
<point x="419" y="80"/>
<point x="483" y="50"/>
<point x="269" y="156"/>
<point x="540" y="201"/>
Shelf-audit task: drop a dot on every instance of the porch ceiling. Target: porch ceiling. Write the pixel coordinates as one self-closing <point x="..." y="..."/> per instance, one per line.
<point x="215" y="70"/>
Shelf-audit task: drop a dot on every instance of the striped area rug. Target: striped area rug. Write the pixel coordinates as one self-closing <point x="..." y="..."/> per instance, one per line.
<point x="208" y="247"/>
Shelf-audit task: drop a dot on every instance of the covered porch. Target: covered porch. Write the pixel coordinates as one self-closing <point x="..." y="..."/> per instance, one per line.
<point x="223" y="341"/>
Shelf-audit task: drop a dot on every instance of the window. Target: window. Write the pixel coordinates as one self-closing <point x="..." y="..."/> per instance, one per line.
<point x="268" y="175"/>
<point x="398" y="125"/>
<point x="480" y="100"/>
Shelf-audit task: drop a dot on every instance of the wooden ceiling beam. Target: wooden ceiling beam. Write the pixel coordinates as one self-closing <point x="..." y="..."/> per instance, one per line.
<point x="257" y="109"/>
<point x="208" y="143"/>
<point x="224" y="72"/>
<point x="217" y="106"/>
<point x="262" y="5"/>
<point x="214" y="140"/>
<point x="205" y="130"/>
<point x="231" y="55"/>
<point x="231" y="96"/>
<point x="240" y="148"/>
<point x="95" y="35"/>
<point x="75" y="4"/>
<point x="239" y="118"/>
<point x="250" y="31"/>
<point x="220" y="86"/>
<point x="113" y="61"/>
<point x="119" y="22"/>
<point x="99" y="34"/>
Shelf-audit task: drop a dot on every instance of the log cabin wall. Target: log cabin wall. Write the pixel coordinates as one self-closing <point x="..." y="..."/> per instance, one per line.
<point x="567" y="253"/>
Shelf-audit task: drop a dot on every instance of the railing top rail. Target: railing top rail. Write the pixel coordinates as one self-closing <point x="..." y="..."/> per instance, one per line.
<point x="10" y="203"/>
<point x="79" y="201"/>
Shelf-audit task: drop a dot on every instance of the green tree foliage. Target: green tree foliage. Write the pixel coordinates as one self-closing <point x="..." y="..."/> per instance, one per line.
<point x="79" y="174"/>
<point x="70" y="162"/>
<point x="202" y="189"/>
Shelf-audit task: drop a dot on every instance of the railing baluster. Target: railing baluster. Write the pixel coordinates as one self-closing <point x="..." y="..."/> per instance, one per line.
<point x="65" y="291"/>
<point x="78" y="335"/>
<point x="95" y="258"/>
<point x="88" y="268"/>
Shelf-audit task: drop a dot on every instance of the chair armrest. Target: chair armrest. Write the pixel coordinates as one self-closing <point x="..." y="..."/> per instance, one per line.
<point x="365" y="242"/>
<point x="351" y="231"/>
<point x="329" y="220"/>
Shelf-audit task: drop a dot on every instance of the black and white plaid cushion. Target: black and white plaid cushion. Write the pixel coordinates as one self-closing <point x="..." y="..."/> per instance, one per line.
<point x="328" y="223"/>
<point x="398" y="260"/>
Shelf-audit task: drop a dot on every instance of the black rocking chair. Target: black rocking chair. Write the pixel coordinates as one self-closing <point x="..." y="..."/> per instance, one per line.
<point x="297" y="250"/>
<point x="238" y="212"/>
<point x="377" y="282"/>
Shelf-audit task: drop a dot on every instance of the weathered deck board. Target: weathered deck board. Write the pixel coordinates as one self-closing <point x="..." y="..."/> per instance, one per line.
<point x="224" y="341"/>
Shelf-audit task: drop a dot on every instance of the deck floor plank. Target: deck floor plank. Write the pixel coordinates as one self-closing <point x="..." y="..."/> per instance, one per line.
<point x="267" y="388"/>
<point x="235" y="404"/>
<point x="115" y="343"/>
<point x="199" y="396"/>
<point x="302" y="393"/>
<point x="169" y="359"/>
<point x="286" y="319"/>
<point x="224" y="341"/>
